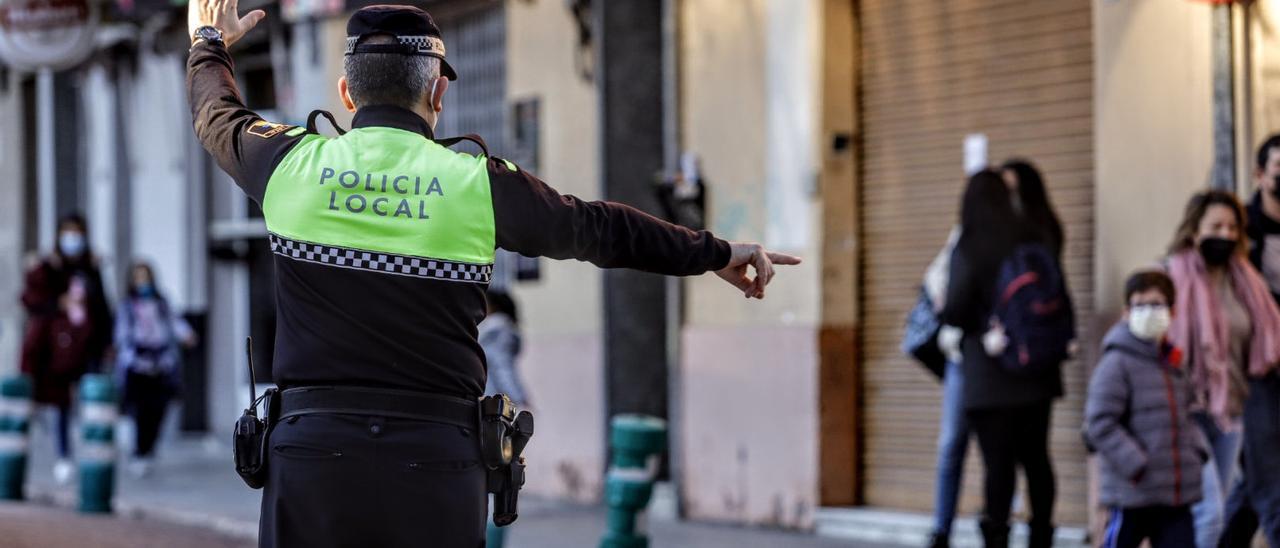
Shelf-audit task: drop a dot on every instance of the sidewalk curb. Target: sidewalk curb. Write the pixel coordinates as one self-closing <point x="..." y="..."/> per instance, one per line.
<point x="913" y="529"/>
<point x="232" y="528"/>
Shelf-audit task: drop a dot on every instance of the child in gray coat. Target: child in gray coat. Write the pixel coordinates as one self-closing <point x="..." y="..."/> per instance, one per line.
<point x="1137" y="420"/>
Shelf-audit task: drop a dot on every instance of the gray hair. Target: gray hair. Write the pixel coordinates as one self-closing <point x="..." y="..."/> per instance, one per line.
<point x="389" y="78"/>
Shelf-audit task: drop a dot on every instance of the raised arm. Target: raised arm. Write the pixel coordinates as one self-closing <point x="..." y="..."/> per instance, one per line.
<point x="244" y="145"/>
<point x="533" y="219"/>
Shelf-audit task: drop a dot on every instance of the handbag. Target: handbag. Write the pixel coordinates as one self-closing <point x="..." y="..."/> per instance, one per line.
<point x="920" y="336"/>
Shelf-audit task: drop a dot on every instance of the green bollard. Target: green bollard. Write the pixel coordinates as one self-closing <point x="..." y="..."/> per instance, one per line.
<point x="494" y="536"/>
<point x="96" y="453"/>
<point x="15" y="422"/>
<point x="636" y="441"/>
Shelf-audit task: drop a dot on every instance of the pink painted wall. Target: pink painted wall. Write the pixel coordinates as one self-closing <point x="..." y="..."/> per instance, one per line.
<point x="749" y="424"/>
<point x="565" y="379"/>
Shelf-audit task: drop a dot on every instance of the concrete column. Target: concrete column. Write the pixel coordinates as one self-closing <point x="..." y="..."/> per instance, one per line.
<point x="12" y="218"/>
<point x="46" y="163"/>
<point x="1224" y="104"/>
<point x="630" y="77"/>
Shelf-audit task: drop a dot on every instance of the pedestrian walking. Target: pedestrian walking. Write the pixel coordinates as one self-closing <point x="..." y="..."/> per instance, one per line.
<point x="1008" y="406"/>
<point x="1255" y="499"/>
<point x="384" y="242"/>
<point x="1226" y="319"/>
<point x="149" y="338"/>
<point x="1137" y="418"/>
<point x="68" y="329"/>
<point x="953" y="430"/>
<point x="499" y="336"/>
<point x="1030" y="200"/>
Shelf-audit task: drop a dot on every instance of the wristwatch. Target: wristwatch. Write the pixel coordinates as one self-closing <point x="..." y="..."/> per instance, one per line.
<point x="209" y="34"/>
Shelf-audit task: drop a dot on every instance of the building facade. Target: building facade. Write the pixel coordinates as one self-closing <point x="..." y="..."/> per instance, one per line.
<point x="832" y="129"/>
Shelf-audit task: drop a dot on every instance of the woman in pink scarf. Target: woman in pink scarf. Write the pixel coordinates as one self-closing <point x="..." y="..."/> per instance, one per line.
<point x="1229" y="325"/>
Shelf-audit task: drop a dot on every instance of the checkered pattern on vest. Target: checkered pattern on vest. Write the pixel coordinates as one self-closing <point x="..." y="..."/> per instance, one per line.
<point x="373" y="261"/>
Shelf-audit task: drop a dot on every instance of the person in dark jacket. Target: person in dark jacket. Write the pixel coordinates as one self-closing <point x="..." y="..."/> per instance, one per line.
<point x="1255" y="499"/>
<point x="1138" y="419"/>
<point x="68" y="328"/>
<point x="379" y="288"/>
<point x="1008" y="412"/>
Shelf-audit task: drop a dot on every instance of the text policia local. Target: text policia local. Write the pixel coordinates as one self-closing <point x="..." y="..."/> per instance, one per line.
<point x="407" y="198"/>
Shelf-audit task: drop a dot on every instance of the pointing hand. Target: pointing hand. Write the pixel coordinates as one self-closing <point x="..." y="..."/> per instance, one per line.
<point x="760" y="260"/>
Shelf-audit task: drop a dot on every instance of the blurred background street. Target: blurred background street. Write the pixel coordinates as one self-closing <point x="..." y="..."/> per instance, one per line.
<point x="842" y="131"/>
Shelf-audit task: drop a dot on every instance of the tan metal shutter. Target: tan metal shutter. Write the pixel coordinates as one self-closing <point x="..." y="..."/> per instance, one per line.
<point x="1021" y="72"/>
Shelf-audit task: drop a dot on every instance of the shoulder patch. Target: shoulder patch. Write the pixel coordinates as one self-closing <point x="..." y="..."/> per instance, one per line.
<point x="267" y="130"/>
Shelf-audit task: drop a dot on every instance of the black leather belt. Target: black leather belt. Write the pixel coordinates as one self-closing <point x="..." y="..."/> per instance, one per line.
<point x="381" y="402"/>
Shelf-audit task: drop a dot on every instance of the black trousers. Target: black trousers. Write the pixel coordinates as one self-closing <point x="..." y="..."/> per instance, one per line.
<point x="146" y="399"/>
<point x="1164" y="526"/>
<point x="1255" y="500"/>
<point x="1010" y="437"/>
<point x="358" y="481"/>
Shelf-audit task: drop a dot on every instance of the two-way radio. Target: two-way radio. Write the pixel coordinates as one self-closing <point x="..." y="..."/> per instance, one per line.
<point x="249" y="440"/>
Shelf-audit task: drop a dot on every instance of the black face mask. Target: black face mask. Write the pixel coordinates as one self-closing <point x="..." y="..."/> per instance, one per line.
<point x="1217" y="251"/>
<point x="1275" y="188"/>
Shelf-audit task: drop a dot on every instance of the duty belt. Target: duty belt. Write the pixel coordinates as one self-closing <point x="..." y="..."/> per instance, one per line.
<point x="381" y="402"/>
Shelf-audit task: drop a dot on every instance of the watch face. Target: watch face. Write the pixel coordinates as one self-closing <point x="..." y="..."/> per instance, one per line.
<point x="209" y="33"/>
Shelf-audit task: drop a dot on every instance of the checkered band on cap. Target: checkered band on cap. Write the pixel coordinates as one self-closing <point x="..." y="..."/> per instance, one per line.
<point x="384" y="263"/>
<point x="423" y="45"/>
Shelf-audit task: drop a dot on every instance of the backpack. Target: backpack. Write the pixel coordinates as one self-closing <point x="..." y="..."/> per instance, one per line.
<point x="1034" y="310"/>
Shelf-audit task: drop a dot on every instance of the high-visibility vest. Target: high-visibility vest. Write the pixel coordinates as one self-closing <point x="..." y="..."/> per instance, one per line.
<point x="383" y="199"/>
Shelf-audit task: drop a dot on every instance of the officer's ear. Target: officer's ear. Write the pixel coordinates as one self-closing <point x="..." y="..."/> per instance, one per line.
<point x="345" y="94"/>
<point x="437" y="93"/>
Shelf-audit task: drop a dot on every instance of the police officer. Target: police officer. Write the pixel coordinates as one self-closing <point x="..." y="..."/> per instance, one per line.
<point x="384" y="242"/>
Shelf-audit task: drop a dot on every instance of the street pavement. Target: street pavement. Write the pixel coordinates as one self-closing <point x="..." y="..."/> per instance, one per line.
<point x="37" y="526"/>
<point x="193" y="491"/>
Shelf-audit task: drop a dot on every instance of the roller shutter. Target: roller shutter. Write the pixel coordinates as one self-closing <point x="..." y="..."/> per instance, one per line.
<point x="1021" y="72"/>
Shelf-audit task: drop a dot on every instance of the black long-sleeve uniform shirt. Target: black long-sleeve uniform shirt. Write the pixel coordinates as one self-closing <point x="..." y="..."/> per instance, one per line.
<point x="358" y="327"/>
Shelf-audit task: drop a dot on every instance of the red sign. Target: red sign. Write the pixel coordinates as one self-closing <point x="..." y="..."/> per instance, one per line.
<point x="46" y="33"/>
<point x="43" y="15"/>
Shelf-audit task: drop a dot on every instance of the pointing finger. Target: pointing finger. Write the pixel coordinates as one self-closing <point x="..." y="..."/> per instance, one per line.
<point x="783" y="258"/>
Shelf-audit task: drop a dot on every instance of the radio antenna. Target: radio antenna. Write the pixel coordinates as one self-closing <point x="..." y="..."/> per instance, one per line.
<point x="253" y="388"/>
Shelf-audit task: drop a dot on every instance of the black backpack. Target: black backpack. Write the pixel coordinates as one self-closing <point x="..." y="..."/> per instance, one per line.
<point x="1033" y="307"/>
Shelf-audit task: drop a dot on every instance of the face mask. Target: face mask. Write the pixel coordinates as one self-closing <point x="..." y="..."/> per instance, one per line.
<point x="1149" y="323"/>
<point x="1275" y="188"/>
<point x="71" y="244"/>
<point x="1217" y="251"/>
<point x="146" y="290"/>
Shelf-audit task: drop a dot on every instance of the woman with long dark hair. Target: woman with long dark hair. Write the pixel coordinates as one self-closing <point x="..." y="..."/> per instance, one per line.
<point x="1031" y="201"/>
<point x="68" y="326"/>
<point x="1008" y="411"/>
<point x="1229" y="325"/>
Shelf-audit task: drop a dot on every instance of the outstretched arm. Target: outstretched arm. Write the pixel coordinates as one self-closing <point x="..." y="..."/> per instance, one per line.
<point x="243" y="144"/>
<point x="533" y="219"/>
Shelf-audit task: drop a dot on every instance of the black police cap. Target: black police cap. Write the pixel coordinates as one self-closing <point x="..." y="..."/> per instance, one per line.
<point x="413" y="27"/>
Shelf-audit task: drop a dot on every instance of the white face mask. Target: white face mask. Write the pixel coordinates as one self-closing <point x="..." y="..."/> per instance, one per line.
<point x="71" y="244"/>
<point x="1149" y="323"/>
